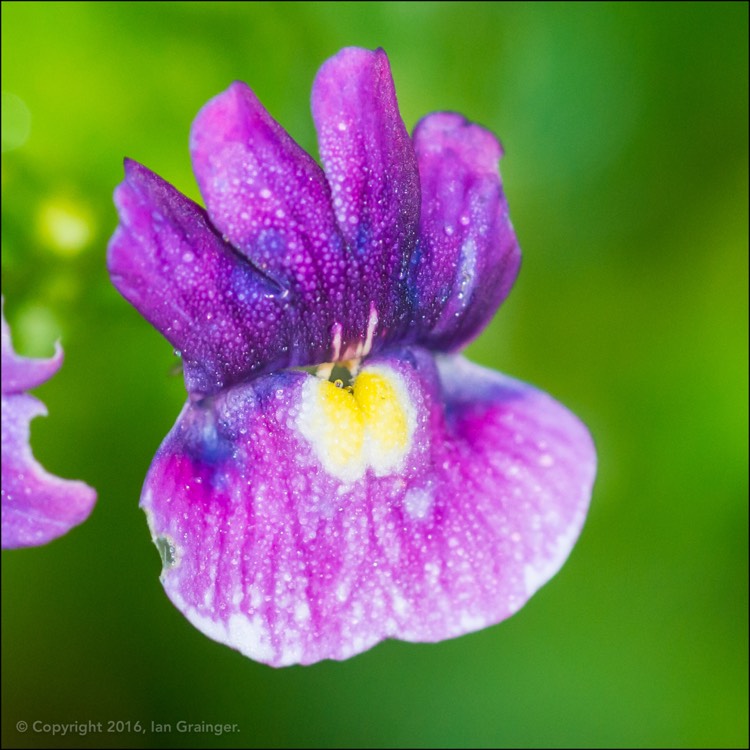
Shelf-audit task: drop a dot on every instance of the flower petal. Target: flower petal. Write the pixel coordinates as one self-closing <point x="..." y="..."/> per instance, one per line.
<point x="265" y="194"/>
<point x="225" y="317"/>
<point x="37" y="507"/>
<point x="22" y="373"/>
<point x="469" y="253"/>
<point x="372" y="169"/>
<point x="296" y="525"/>
<point x="272" y="202"/>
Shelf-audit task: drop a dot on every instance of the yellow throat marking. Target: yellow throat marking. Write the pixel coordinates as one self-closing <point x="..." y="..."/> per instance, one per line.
<point x="368" y="425"/>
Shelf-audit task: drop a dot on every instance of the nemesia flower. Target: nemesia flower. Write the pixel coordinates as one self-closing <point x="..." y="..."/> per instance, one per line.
<point x="339" y="475"/>
<point x="37" y="507"/>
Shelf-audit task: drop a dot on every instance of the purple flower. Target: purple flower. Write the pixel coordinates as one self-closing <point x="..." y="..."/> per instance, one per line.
<point x="37" y="507"/>
<point x="392" y="489"/>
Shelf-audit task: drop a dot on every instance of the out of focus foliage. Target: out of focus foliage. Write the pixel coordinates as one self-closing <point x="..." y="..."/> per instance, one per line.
<point x="625" y="127"/>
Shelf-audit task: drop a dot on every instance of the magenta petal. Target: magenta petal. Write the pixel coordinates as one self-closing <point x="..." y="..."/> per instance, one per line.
<point x="37" y="507"/>
<point x="265" y="194"/>
<point x="469" y="253"/>
<point x="225" y="317"/>
<point x="266" y="549"/>
<point x="22" y="373"/>
<point x="371" y="166"/>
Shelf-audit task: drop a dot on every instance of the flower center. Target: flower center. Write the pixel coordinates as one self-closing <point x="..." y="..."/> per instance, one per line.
<point x="366" y="424"/>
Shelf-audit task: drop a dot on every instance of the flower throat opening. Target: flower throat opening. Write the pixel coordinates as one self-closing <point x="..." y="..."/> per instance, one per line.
<point x="341" y="374"/>
<point x="357" y="418"/>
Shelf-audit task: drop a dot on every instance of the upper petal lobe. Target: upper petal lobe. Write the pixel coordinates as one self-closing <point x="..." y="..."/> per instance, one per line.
<point x="266" y="194"/>
<point x="225" y="317"/>
<point x="468" y="253"/>
<point x="372" y="169"/>
<point x="315" y="285"/>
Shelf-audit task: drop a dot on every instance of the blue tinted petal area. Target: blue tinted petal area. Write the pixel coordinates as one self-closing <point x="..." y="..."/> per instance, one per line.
<point x="293" y="540"/>
<point x="221" y="313"/>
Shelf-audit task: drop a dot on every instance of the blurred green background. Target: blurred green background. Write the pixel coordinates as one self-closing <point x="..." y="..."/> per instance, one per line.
<point x="625" y="127"/>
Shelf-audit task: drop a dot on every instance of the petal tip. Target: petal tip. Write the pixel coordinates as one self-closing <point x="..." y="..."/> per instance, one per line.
<point x="37" y="506"/>
<point x="21" y="373"/>
<point x="451" y="130"/>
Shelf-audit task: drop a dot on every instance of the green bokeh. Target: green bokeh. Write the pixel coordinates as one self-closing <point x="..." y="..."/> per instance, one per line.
<point x="626" y="128"/>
